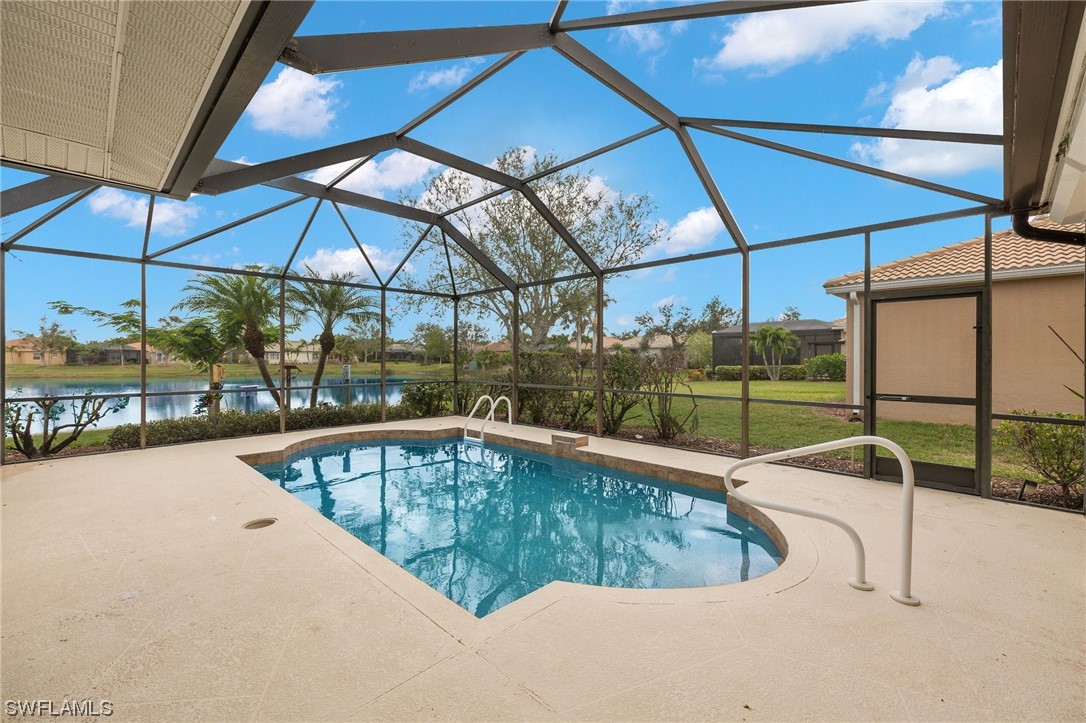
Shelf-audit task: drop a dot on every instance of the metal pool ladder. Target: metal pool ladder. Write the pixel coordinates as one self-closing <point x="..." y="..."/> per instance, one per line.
<point x="489" y="417"/>
<point x="903" y="594"/>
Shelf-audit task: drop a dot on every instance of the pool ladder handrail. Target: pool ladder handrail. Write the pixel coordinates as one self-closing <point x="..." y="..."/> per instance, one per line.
<point x="489" y="417"/>
<point x="903" y="594"/>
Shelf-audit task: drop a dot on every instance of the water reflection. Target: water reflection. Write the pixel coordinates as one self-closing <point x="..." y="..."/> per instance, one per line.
<point x="181" y="406"/>
<point x="486" y="527"/>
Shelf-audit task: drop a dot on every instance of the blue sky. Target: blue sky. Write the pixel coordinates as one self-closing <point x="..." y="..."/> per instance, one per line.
<point x="925" y="65"/>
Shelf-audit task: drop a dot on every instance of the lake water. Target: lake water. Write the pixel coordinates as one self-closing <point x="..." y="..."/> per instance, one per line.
<point x="182" y="406"/>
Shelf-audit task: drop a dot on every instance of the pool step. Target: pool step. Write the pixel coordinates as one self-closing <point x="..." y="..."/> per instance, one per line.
<point x="568" y="443"/>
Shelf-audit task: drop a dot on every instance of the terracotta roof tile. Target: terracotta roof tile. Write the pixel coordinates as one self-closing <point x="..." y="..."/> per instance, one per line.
<point x="1010" y="252"/>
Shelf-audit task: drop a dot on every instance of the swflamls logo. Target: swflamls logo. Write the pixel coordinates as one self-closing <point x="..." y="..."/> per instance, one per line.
<point x="76" y="708"/>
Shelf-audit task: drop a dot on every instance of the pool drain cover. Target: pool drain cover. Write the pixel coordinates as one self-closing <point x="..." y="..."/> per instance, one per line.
<point x="259" y="524"/>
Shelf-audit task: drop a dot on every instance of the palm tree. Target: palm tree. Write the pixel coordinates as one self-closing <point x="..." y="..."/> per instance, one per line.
<point x="773" y="342"/>
<point x="328" y="305"/>
<point x="243" y="308"/>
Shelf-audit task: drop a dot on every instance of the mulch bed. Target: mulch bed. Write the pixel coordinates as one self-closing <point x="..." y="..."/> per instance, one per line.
<point x="12" y="456"/>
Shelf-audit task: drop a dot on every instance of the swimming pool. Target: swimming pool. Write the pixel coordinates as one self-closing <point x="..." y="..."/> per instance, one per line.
<point x="486" y="526"/>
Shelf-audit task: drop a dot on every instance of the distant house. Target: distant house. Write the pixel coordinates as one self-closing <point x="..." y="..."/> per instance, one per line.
<point x="297" y="352"/>
<point x="654" y="345"/>
<point x="401" y="351"/>
<point x="1035" y="284"/>
<point x="22" y="351"/>
<point x="816" y="337"/>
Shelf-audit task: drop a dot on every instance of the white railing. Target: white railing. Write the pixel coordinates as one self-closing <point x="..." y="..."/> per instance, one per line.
<point x="489" y="416"/>
<point x="859" y="581"/>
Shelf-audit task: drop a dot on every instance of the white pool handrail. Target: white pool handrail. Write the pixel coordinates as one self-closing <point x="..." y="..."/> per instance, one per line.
<point x="903" y="594"/>
<point x="493" y="409"/>
<point x="486" y="417"/>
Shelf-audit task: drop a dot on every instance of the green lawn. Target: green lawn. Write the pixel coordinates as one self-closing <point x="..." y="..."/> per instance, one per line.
<point x="771" y="425"/>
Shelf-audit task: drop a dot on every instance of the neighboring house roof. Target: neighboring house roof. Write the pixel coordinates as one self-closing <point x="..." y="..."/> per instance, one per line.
<point x="498" y="346"/>
<point x="19" y="344"/>
<point x="839" y="323"/>
<point x="1012" y="256"/>
<point x="610" y="341"/>
<point x="404" y="347"/>
<point x="660" y="341"/>
<point x="791" y="325"/>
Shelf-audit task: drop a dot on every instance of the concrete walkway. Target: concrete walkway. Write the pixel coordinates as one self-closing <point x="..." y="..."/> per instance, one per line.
<point x="128" y="577"/>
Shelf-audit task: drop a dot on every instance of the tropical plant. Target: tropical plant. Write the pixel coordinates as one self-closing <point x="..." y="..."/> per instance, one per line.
<point x="773" y="343"/>
<point x="195" y="340"/>
<point x="329" y="304"/>
<point x="21" y="419"/>
<point x="242" y="307"/>
<point x="1054" y="451"/>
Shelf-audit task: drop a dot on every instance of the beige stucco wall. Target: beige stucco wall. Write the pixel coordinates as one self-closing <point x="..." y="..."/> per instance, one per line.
<point x="26" y="356"/>
<point x="931" y="349"/>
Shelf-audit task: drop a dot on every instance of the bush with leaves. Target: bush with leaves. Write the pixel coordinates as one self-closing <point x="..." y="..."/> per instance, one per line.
<point x="1053" y="451"/>
<point x="788" y="373"/>
<point x="826" y="367"/>
<point x="234" y="423"/>
<point x="37" y="427"/>
<point x="664" y="375"/>
<point x="622" y="370"/>
<point x="426" y="399"/>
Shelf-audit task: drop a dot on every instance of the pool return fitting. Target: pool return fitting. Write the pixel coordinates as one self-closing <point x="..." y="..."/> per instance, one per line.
<point x="859" y="581"/>
<point x="489" y="415"/>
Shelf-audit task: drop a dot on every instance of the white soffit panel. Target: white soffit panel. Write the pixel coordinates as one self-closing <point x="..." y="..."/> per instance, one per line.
<point x="108" y="89"/>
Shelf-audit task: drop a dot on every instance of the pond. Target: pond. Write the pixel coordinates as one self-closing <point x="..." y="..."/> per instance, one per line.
<point x="168" y="407"/>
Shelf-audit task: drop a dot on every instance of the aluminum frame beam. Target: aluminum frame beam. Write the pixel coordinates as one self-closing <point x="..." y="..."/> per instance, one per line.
<point x="226" y="227"/>
<point x="853" y="166"/>
<point x="244" y="175"/>
<point x="944" y="136"/>
<point x="690" y="12"/>
<point x="39" y="191"/>
<point x="317" y="54"/>
<point x="46" y="218"/>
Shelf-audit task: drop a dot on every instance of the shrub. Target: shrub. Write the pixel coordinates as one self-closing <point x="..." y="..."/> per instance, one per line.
<point x="1054" y="451"/>
<point x="699" y="349"/>
<point x="663" y="376"/>
<point x="622" y="370"/>
<point x="426" y="399"/>
<point x="828" y="367"/>
<point x="234" y="423"/>
<point x="21" y="419"/>
<point x="709" y="372"/>
<point x="789" y="373"/>
<point x="694" y="375"/>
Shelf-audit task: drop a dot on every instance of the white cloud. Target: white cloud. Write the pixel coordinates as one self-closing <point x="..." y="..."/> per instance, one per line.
<point x="624" y="321"/>
<point x="695" y="230"/>
<point x="395" y="171"/>
<point x="649" y="39"/>
<point x="671" y="299"/>
<point x="295" y="103"/>
<point x="448" y="77"/>
<point x="171" y="218"/>
<point x="343" y="261"/>
<point x="771" y="42"/>
<point x="935" y="94"/>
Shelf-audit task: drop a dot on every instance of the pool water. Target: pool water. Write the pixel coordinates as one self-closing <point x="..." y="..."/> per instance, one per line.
<point x="487" y="525"/>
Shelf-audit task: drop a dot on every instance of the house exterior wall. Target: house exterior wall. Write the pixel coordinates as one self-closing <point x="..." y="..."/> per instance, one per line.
<point x="1030" y="366"/>
<point x="29" y="356"/>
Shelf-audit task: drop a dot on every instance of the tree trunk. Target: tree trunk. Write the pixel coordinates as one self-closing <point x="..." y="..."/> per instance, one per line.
<point x="254" y="344"/>
<point x="328" y="343"/>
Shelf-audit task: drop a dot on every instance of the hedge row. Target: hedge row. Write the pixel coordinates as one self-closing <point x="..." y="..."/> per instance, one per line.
<point x="789" y="373"/>
<point x="233" y="423"/>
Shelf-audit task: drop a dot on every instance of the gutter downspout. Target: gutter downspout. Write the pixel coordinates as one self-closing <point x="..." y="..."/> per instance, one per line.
<point x="1020" y="224"/>
<point x="856" y="336"/>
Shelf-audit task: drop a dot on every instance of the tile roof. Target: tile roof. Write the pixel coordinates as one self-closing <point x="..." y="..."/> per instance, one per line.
<point x="789" y="324"/>
<point x="1010" y="252"/>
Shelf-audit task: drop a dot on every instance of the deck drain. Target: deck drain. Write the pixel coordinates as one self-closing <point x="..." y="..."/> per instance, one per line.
<point x="259" y="524"/>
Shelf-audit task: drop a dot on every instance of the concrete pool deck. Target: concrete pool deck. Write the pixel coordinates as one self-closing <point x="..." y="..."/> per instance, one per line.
<point x="128" y="577"/>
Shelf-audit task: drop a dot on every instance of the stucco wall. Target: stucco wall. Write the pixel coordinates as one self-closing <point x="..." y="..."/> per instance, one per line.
<point x="927" y="348"/>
